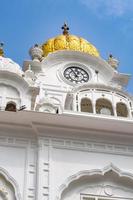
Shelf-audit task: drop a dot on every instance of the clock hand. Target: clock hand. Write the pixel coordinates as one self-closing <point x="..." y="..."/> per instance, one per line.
<point x="74" y="73"/>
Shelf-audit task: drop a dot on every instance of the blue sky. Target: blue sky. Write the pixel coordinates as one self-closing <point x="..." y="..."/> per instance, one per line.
<point x="108" y="24"/>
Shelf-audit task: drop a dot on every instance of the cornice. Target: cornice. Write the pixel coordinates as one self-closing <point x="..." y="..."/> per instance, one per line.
<point x="68" y="121"/>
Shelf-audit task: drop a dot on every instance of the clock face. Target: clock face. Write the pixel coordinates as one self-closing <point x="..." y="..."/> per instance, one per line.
<point x="76" y="75"/>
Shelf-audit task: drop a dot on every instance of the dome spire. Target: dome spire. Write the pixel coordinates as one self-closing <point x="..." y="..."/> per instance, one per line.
<point x="65" y="29"/>
<point x="1" y="49"/>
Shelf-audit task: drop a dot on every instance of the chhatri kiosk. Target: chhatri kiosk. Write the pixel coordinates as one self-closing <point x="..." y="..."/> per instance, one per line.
<point x="66" y="124"/>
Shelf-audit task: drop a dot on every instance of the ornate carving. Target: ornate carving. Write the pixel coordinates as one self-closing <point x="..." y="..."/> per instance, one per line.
<point x="13" y="183"/>
<point x="30" y="76"/>
<point x="102" y="189"/>
<point x="45" y="103"/>
<point x="36" y="53"/>
<point x="108" y="190"/>
<point x="4" y="193"/>
<point x="101" y="172"/>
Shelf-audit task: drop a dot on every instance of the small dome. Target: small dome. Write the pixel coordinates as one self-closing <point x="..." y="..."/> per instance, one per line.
<point x="69" y="42"/>
<point x="6" y="64"/>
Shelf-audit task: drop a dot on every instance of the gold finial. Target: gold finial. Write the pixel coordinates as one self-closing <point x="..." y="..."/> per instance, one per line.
<point x="1" y="49"/>
<point x="65" y="29"/>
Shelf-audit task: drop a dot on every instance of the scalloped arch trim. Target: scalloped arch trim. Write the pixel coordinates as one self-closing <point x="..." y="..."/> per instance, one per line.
<point x="86" y="173"/>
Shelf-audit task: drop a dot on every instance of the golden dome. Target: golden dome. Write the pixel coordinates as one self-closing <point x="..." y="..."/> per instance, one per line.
<point x="68" y="42"/>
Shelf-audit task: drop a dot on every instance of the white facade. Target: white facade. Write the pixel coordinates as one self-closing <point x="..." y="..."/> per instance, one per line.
<point x="74" y="139"/>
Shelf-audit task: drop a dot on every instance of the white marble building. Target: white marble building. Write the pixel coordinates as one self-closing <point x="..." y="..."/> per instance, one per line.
<point x="66" y="124"/>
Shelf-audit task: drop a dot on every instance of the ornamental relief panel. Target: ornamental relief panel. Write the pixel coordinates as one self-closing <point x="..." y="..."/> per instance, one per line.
<point x="7" y="191"/>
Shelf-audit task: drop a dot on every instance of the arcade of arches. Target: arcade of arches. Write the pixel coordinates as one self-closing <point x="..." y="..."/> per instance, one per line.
<point x="104" y="106"/>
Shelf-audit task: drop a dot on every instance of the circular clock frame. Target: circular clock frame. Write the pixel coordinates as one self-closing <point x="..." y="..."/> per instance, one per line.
<point x="75" y="74"/>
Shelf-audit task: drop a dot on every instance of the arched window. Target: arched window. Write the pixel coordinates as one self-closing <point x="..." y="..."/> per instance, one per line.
<point x="103" y="106"/>
<point x="86" y="105"/>
<point x="11" y="106"/>
<point x="121" y="110"/>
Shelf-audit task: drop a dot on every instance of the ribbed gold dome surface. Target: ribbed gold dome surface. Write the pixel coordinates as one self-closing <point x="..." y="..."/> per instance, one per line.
<point x="69" y="42"/>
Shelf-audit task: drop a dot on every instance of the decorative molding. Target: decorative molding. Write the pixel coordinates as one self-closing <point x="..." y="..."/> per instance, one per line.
<point x="42" y="187"/>
<point x="95" y="86"/>
<point x="91" y="146"/>
<point x="46" y="172"/>
<point x="30" y="173"/>
<point x="87" y="173"/>
<point x="17" y="141"/>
